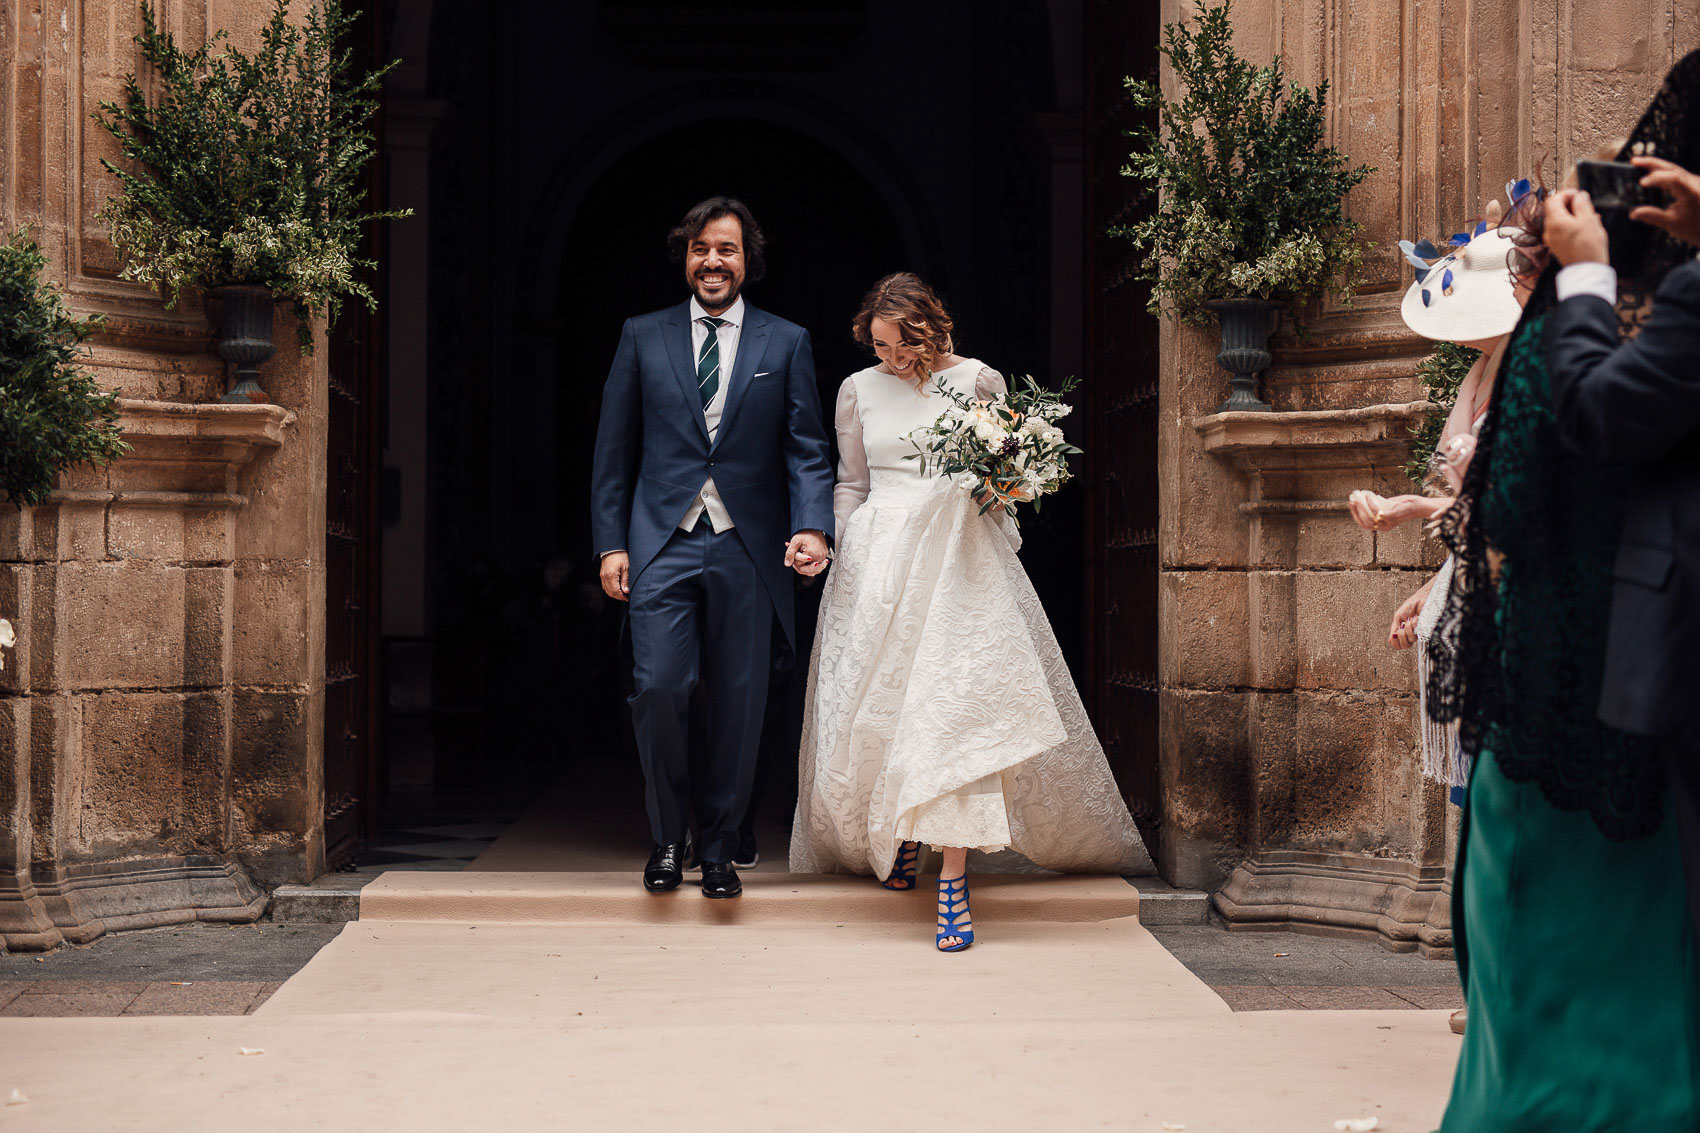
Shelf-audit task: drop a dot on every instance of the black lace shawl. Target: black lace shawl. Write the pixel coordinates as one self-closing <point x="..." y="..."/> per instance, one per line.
<point x="1518" y="653"/>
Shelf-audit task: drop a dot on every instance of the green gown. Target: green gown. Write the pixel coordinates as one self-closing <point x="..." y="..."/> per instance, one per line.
<point x="1578" y="968"/>
<point x="1575" y="949"/>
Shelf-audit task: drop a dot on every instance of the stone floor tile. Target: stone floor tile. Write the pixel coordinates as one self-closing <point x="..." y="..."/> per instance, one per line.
<point x="1254" y="997"/>
<point x="1430" y="998"/>
<point x="205" y="997"/>
<point x="77" y="986"/>
<point x="264" y="994"/>
<point x="64" y="999"/>
<point x="10" y="991"/>
<point x="212" y="952"/>
<point x="1347" y="998"/>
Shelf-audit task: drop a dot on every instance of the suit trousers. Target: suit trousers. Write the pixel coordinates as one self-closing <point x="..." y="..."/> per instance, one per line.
<point x="700" y="615"/>
<point x="1682" y="759"/>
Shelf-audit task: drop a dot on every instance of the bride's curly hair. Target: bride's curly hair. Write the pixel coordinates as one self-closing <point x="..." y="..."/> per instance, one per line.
<point x="923" y="325"/>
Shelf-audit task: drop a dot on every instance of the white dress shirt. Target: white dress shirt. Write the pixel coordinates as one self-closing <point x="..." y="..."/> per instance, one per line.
<point x="731" y="327"/>
<point x="1588" y="279"/>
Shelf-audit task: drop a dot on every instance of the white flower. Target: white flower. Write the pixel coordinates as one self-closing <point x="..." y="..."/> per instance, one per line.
<point x="7" y="637"/>
<point x="987" y="431"/>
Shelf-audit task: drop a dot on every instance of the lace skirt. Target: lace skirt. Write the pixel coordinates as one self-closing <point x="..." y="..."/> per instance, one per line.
<point x="939" y="708"/>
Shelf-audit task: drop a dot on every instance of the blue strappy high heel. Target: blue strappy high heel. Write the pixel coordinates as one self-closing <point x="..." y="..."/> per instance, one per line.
<point x="902" y="874"/>
<point x="953" y="911"/>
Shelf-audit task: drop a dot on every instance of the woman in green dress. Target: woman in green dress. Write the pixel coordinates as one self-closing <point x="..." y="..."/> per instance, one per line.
<point x="1570" y="915"/>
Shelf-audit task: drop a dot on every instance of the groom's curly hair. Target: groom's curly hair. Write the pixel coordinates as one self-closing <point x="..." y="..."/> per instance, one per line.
<point x="702" y="213"/>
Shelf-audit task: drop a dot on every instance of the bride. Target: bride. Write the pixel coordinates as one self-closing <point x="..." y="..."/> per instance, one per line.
<point x="939" y="709"/>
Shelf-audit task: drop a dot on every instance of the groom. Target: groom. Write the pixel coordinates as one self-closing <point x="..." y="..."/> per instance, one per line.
<point x="711" y="479"/>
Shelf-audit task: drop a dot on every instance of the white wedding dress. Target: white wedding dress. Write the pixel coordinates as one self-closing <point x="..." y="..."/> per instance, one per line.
<point x="939" y="708"/>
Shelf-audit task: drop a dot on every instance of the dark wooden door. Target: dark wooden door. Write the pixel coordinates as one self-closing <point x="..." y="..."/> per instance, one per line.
<point x="1121" y="462"/>
<point x="352" y="532"/>
<point x="351" y="589"/>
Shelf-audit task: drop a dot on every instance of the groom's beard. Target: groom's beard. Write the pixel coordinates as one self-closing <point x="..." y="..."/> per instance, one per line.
<point x="728" y="295"/>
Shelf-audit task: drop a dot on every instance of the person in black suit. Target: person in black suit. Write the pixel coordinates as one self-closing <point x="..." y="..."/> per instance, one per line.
<point x="1636" y="401"/>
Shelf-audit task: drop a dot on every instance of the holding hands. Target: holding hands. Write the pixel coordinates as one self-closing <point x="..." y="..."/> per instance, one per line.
<point x="807" y="553"/>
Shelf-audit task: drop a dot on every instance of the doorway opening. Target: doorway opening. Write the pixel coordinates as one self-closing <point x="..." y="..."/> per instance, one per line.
<point x="534" y="706"/>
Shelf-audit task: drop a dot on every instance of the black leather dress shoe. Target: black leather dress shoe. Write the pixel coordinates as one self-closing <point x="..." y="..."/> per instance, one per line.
<point x="666" y="868"/>
<point x="719" y="879"/>
<point x="747" y="856"/>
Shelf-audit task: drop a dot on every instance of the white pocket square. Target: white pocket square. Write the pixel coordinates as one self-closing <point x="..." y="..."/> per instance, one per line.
<point x="763" y="374"/>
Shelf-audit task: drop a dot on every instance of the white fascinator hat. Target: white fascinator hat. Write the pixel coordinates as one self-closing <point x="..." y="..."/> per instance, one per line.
<point x="1465" y="292"/>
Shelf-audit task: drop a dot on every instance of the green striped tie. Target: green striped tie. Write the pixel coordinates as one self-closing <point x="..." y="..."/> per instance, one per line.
<point x="708" y="362"/>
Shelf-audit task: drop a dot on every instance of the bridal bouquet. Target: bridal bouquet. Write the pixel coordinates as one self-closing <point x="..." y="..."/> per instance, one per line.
<point x="1006" y="451"/>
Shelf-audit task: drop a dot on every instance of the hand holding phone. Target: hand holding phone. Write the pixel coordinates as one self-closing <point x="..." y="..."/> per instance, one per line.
<point x="1681" y="216"/>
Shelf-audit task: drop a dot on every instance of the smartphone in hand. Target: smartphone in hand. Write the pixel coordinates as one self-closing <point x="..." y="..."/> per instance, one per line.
<point x="1615" y="189"/>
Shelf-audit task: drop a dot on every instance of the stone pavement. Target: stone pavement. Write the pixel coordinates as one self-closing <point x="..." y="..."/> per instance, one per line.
<point x="578" y="1001"/>
<point x="1286" y="971"/>
<point x="196" y="969"/>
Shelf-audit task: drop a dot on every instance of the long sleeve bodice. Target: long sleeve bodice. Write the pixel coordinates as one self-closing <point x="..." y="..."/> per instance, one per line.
<point x="877" y="411"/>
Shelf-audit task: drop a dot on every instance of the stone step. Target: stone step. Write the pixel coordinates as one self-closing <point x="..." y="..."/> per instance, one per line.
<point x="1162" y="904"/>
<point x="601" y="898"/>
<point x="336" y="898"/>
<point x="332" y="899"/>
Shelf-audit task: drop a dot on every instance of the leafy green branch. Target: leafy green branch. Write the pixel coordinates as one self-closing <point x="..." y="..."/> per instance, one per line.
<point x="248" y="168"/>
<point x="53" y="415"/>
<point x="1242" y="195"/>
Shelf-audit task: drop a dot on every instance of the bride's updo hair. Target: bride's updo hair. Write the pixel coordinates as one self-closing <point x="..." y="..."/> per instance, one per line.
<point x="923" y="325"/>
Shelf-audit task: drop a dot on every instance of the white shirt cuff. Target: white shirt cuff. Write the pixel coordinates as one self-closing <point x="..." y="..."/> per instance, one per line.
<point x="1588" y="279"/>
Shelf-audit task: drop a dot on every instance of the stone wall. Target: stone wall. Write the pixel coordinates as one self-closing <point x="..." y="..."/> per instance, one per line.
<point x="161" y="719"/>
<point x="1289" y="728"/>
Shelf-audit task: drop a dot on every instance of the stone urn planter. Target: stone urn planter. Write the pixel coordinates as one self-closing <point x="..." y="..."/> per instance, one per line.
<point x="1245" y="350"/>
<point x="242" y="314"/>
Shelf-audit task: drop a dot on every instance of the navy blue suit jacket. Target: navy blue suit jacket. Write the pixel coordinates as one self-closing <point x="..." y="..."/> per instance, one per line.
<point x="769" y="459"/>
<point x="1637" y="402"/>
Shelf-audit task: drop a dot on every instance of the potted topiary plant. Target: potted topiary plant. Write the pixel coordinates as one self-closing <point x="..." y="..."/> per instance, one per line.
<point x="242" y="179"/>
<point x="1249" y="212"/>
<point x="53" y="415"/>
